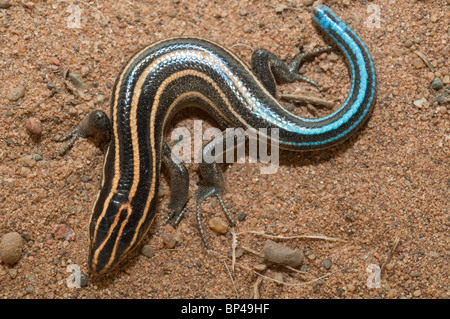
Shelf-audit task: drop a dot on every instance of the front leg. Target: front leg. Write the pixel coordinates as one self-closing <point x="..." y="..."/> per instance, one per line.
<point x="179" y="185"/>
<point x="95" y="125"/>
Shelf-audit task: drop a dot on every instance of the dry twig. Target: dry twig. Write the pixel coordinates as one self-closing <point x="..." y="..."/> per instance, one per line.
<point x="391" y="253"/>
<point x="232" y="280"/>
<point x="291" y="237"/>
<point x="258" y="282"/>
<point x="425" y="59"/>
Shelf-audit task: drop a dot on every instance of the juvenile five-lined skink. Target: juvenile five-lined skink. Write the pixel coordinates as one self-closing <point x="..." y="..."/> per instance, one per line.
<point x="168" y="75"/>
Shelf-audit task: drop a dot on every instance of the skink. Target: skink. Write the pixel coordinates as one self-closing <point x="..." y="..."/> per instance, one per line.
<point x="162" y="78"/>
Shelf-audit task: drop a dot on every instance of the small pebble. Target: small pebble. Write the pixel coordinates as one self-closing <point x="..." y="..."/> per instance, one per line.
<point x="278" y="276"/>
<point x="446" y="79"/>
<point x="11" y="248"/>
<point x="417" y="293"/>
<point x="168" y="237"/>
<point x="221" y="14"/>
<point x="241" y="216"/>
<point x="418" y="63"/>
<point x="408" y="43"/>
<point x="62" y="231"/>
<point x="84" y="70"/>
<point x="351" y="288"/>
<point x="421" y="103"/>
<point x="30" y="5"/>
<point x="308" y="3"/>
<point x="443" y="98"/>
<point x="37" y="157"/>
<point x="16" y="93"/>
<point x="389" y="266"/>
<point x="280" y="254"/>
<point x="172" y="13"/>
<point x="27" y="161"/>
<point x="333" y="57"/>
<point x="55" y="61"/>
<point x="441" y="109"/>
<point x="148" y="251"/>
<point x="324" y="65"/>
<point x="437" y="84"/>
<point x="33" y="125"/>
<point x="310" y="254"/>
<point x="280" y="8"/>
<point x="260" y="267"/>
<point x="218" y="225"/>
<point x="327" y="263"/>
<point x="51" y="86"/>
<point x="5" y="4"/>
<point x="26" y="236"/>
<point x="433" y="254"/>
<point x="99" y="99"/>
<point x="12" y="273"/>
<point x="84" y="280"/>
<point x="76" y="80"/>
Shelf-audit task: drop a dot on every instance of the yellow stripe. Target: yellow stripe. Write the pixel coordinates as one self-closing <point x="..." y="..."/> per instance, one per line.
<point x="113" y="225"/>
<point x="172" y="106"/>
<point x="136" y="94"/>
<point x="102" y="184"/>
<point x="155" y="107"/>
<point x="116" y="141"/>
<point x="124" y="223"/>
<point x="135" y="138"/>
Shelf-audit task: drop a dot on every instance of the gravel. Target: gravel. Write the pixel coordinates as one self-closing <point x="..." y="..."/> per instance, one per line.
<point x="218" y="225"/>
<point x="11" y="246"/>
<point x="16" y="93"/>
<point x="33" y="125"/>
<point x="280" y="254"/>
<point x="391" y="176"/>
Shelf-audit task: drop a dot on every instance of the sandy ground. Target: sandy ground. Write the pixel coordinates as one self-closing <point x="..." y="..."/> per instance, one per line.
<point x="388" y="184"/>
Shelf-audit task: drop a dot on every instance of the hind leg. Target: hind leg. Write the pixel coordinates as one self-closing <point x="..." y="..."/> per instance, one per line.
<point x="213" y="182"/>
<point x="269" y="68"/>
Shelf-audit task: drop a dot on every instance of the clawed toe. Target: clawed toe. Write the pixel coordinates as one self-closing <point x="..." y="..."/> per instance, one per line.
<point x="96" y="124"/>
<point x="72" y="136"/>
<point x="175" y="216"/>
<point x="294" y="65"/>
<point x="203" y="193"/>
